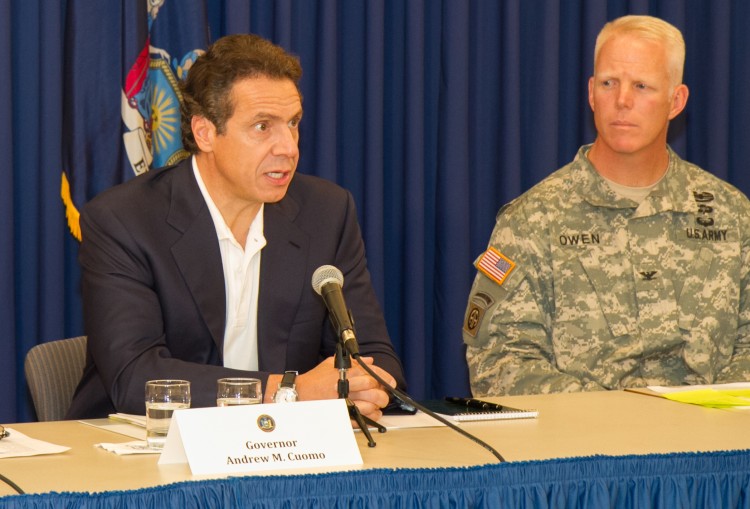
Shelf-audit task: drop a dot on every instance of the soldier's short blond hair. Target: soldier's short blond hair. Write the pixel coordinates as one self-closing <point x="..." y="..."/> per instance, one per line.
<point x="653" y="29"/>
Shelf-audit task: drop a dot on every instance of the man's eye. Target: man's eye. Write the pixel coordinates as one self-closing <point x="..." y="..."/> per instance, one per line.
<point x="641" y="86"/>
<point x="260" y="126"/>
<point x="294" y="122"/>
<point x="607" y="83"/>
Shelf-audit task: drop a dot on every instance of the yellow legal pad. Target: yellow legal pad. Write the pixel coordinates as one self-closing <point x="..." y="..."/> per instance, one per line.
<point x="724" y="398"/>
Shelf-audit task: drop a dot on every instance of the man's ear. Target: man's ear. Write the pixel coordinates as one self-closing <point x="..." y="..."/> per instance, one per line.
<point x="204" y="133"/>
<point x="679" y="100"/>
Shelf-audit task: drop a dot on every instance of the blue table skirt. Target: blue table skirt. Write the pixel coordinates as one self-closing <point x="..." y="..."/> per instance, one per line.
<point x="701" y="480"/>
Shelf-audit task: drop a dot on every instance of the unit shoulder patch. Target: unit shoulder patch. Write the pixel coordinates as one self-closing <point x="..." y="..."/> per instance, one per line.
<point x="478" y="304"/>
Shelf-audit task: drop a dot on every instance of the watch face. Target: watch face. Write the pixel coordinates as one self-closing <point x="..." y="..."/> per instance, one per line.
<point x="285" y="395"/>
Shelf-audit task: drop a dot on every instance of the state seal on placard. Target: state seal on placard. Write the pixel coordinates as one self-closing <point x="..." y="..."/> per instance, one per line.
<point x="266" y="423"/>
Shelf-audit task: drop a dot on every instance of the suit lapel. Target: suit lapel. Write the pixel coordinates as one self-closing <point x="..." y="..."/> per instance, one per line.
<point x="283" y="271"/>
<point x="283" y="276"/>
<point x="198" y="260"/>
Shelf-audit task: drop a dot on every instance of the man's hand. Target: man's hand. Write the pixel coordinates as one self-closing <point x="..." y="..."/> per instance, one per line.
<point x="365" y="392"/>
<point x="321" y="382"/>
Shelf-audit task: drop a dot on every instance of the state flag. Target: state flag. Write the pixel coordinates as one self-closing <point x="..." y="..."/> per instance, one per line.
<point x="122" y="68"/>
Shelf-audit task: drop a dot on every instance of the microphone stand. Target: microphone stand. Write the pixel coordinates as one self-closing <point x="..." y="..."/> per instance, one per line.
<point x="343" y="362"/>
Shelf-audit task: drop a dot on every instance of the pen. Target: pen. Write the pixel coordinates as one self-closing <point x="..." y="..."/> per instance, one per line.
<point x="475" y="403"/>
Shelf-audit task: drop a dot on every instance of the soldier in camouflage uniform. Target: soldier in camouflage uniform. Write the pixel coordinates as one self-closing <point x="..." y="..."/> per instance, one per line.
<point x="627" y="267"/>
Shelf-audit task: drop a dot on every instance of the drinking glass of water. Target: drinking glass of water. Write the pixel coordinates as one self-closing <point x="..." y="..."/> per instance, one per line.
<point x="238" y="391"/>
<point x="163" y="397"/>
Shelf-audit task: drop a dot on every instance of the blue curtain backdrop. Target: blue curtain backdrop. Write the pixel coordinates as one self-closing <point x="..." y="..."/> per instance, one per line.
<point x="432" y="112"/>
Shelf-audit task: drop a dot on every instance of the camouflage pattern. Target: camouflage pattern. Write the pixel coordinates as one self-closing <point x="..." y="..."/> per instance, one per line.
<point x="608" y="294"/>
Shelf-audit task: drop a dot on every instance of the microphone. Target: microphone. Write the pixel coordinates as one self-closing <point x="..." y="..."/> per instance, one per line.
<point x="327" y="281"/>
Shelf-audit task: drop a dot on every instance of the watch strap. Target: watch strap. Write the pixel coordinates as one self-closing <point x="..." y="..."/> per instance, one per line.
<point x="288" y="379"/>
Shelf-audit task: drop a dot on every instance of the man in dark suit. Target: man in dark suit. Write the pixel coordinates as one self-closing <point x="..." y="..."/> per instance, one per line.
<point x="202" y="270"/>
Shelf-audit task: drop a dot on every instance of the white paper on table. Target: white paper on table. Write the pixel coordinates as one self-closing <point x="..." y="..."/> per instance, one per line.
<point x="135" y="420"/>
<point x="122" y="428"/>
<point x="17" y="445"/>
<point x="134" y="447"/>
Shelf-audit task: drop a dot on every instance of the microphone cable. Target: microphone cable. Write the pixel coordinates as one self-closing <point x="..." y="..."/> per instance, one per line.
<point x="408" y="400"/>
<point x="12" y="484"/>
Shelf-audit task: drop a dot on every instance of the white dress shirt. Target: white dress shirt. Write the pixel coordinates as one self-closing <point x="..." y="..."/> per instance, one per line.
<point x="241" y="281"/>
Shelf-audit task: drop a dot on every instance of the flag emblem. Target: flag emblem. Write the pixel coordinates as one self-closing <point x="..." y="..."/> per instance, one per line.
<point x="495" y="265"/>
<point x="150" y="106"/>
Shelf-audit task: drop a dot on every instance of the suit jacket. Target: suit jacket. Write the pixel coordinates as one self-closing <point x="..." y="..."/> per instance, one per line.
<point x="154" y="297"/>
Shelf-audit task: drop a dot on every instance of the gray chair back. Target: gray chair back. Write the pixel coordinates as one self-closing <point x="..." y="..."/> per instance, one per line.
<point x="53" y="371"/>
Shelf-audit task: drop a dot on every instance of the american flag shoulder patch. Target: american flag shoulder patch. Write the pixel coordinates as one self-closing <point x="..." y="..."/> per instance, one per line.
<point x="495" y="265"/>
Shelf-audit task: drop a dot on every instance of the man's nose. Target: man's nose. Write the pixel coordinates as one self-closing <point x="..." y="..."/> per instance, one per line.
<point x="625" y="97"/>
<point x="287" y="142"/>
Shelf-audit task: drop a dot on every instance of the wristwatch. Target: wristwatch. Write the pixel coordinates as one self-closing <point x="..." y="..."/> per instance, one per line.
<point x="286" y="393"/>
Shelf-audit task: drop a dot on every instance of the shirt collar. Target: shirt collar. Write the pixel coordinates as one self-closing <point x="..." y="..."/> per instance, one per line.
<point x="223" y="231"/>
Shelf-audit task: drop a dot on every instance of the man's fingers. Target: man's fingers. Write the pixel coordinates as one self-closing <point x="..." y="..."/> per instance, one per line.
<point x="376" y="398"/>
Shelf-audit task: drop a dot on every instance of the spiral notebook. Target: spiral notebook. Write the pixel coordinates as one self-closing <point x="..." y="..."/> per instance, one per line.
<point x="462" y="413"/>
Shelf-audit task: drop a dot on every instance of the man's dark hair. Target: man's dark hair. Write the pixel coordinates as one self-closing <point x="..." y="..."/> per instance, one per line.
<point x="206" y="90"/>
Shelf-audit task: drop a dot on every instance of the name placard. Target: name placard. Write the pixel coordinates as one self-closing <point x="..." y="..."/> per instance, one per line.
<point x="248" y="438"/>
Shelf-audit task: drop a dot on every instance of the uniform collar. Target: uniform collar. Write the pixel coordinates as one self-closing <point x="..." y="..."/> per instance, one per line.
<point x="670" y="194"/>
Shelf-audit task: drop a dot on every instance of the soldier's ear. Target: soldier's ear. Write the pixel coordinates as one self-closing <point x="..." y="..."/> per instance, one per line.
<point x="679" y="100"/>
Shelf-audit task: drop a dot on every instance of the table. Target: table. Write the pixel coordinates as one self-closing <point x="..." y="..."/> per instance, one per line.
<point x="617" y="447"/>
